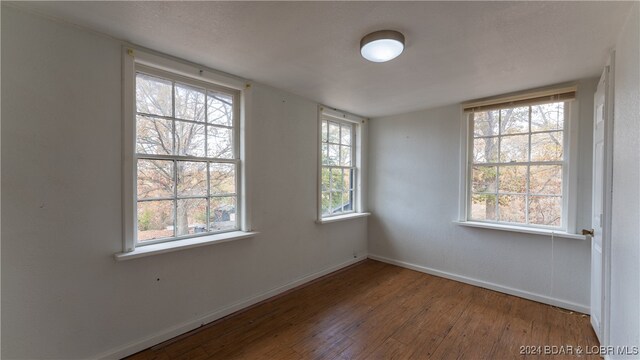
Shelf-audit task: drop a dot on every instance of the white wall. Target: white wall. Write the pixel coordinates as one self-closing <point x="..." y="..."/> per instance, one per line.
<point x="625" y="226"/>
<point x="63" y="295"/>
<point x="414" y="184"/>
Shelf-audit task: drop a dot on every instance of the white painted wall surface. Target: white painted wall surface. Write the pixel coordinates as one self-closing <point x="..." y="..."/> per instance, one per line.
<point x="625" y="226"/>
<point x="63" y="295"/>
<point x="413" y="195"/>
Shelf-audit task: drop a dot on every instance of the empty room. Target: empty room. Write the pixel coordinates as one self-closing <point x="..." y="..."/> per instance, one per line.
<point x="320" y="180"/>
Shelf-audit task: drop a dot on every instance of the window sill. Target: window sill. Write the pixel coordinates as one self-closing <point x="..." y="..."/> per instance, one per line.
<point x="177" y="245"/>
<point x="342" y="217"/>
<point x="520" y="229"/>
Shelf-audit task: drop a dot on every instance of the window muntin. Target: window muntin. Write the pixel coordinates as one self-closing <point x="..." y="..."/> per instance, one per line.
<point x="517" y="168"/>
<point x="187" y="157"/>
<point x="338" y="167"/>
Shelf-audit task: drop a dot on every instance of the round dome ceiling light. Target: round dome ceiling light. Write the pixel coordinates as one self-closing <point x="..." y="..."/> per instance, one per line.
<point x="381" y="46"/>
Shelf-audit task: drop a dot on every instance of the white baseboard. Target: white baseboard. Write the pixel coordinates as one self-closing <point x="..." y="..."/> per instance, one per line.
<point x="180" y="329"/>
<point x="487" y="285"/>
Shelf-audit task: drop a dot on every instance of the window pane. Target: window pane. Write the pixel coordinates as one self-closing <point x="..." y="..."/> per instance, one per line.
<point x="334" y="133"/>
<point x="347" y="203"/>
<point x="324" y="131"/>
<point x="485" y="150"/>
<point x="346" y="135"/>
<point x="191" y="216"/>
<point x="483" y="207"/>
<point x="326" y="179"/>
<point x="155" y="179"/>
<point x="547" y="117"/>
<point x="189" y="103"/>
<point x="336" y="179"/>
<point x="514" y="148"/>
<point x="347" y="179"/>
<point x="546" y="146"/>
<point x="484" y="179"/>
<point x="155" y="220"/>
<point x="325" y="158"/>
<point x="192" y="178"/>
<point x="326" y="203"/>
<point x="336" y="202"/>
<point x="223" y="214"/>
<point x="512" y="179"/>
<point x="546" y="179"/>
<point x="220" y="143"/>
<point x="219" y="108"/>
<point x="154" y="135"/>
<point x="153" y="95"/>
<point x="486" y="123"/>
<point x="223" y="178"/>
<point x="514" y="121"/>
<point x="345" y="156"/>
<point x="545" y="210"/>
<point x="189" y="139"/>
<point x="334" y="154"/>
<point x="512" y="208"/>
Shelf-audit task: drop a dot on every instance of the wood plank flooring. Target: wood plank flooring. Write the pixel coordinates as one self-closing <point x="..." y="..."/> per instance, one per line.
<point x="374" y="310"/>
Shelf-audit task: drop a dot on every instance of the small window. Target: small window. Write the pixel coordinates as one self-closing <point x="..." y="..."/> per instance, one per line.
<point x="518" y="165"/>
<point x="186" y="157"/>
<point x="339" y="164"/>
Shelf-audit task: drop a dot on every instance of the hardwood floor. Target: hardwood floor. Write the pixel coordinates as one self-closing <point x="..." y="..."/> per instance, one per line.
<point x="373" y="310"/>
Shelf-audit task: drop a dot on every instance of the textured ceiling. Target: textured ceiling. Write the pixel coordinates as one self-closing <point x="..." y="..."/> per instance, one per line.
<point x="455" y="51"/>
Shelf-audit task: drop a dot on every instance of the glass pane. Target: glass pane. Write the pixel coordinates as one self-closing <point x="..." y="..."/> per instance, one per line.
<point x="514" y="121"/>
<point x="191" y="216"/>
<point x="336" y="202"/>
<point x="334" y="133"/>
<point x="347" y="179"/>
<point x="326" y="201"/>
<point x="336" y="179"/>
<point x="153" y="95"/>
<point x="547" y="117"/>
<point x="189" y="103"/>
<point x="223" y="178"/>
<point x="484" y="179"/>
<point x="325" y="158"/>
<point x="326" y="179"/>
<point x="189" y="139"/>
<point x="485" y="150"/>
<point x="219" y="108"/>
<point x="223" y="215"/>
<point x="324" y="131"/>
<point x="334" y="154"/>
<point x="546" y="146"/>
<point x="512" y="179"/>
<point x="154" y="135"/>
<point x="545" y="210"/>
<point x="486" y="123"/>
<point x="345" y="155"/>
<point x="514" y="148"/>
<point x="346" y="135"/>
<point x="220" y="143"/>
<point x="192" y="178"/>
<point x="545" y="179"/>
<point x="155" y="179"/>
<point x="512" y="208"/>
<point x="155" y="220"/>
<point x="347" y="203"/>
<point x="483" y="207"/>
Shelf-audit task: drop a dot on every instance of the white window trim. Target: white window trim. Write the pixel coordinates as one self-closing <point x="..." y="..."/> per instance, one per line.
<point x="569" y="206"/>
<point x="132" y="55"/>
<point x="361" y="130"/>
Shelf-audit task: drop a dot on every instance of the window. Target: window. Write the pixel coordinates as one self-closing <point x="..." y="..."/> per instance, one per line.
<point x="339" y="163"/>
<point x="185" y="156"/>
<point x="518" y="164"/>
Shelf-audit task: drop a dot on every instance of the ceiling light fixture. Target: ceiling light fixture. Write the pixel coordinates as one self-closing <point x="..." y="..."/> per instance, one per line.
<point x="381" y="46"/>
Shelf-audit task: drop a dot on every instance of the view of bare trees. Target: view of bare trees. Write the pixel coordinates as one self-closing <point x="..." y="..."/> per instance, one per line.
<point x="186" y="179"/>
<point x="517" y="171"/>
<point x="337" y="168"/>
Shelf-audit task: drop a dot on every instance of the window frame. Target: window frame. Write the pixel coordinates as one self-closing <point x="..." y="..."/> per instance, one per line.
<point x="358" y="129"/>
<point x="569" y="168"/>
<point x="138" y="61"/>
